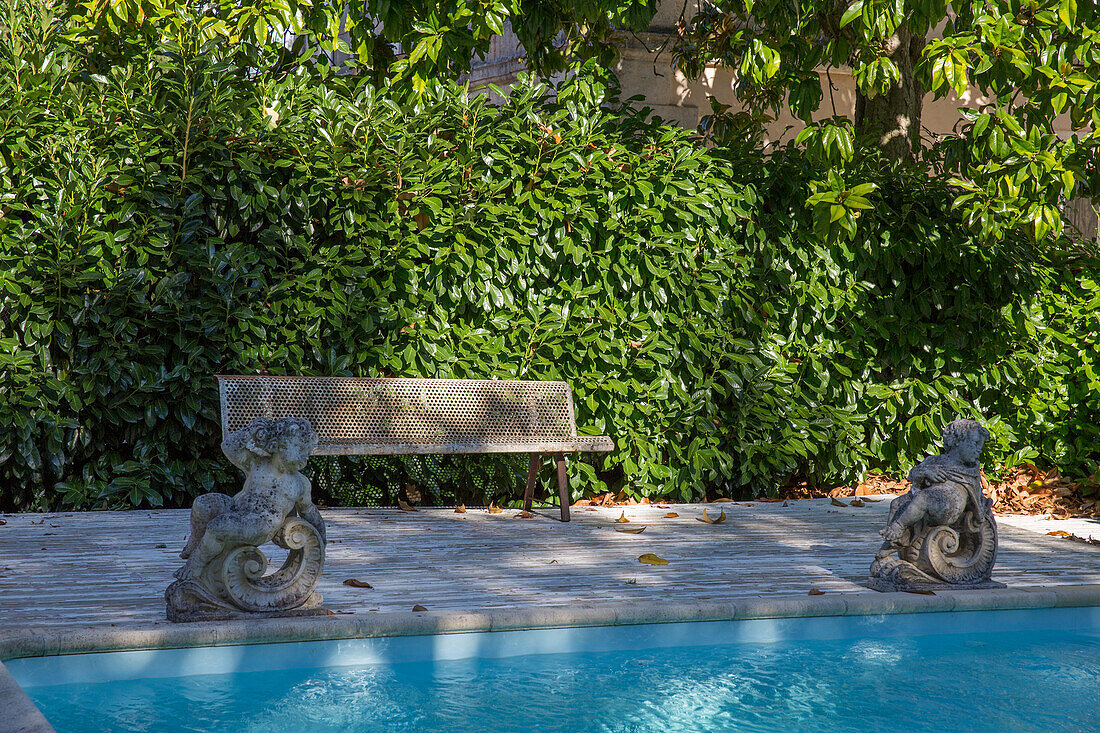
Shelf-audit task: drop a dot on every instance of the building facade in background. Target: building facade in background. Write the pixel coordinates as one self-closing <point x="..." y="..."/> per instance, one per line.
<point x="645" y="68"/>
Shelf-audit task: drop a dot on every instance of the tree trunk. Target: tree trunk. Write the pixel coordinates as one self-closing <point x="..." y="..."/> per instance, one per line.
<point x="894" y="117"/>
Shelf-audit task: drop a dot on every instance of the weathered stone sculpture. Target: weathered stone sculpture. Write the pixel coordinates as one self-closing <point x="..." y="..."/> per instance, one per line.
<point x="224" y="576"/>
<point x="941" y="534"/>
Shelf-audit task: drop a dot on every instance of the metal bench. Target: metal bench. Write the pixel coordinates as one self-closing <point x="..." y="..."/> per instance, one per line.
<point x="366" y="417"/>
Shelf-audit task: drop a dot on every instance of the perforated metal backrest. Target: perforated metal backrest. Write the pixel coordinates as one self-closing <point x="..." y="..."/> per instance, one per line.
<point x="361" y="411"/>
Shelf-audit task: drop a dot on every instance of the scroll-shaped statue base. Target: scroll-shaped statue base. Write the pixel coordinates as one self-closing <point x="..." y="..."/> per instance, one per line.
<point x="942" y="534"/>
<point x="236" y="585"/>
<point x="225" y="575"/>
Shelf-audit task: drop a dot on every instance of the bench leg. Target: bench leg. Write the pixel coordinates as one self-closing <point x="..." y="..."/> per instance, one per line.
<point x="532" y="479"/>
<point x="563" y="486"/>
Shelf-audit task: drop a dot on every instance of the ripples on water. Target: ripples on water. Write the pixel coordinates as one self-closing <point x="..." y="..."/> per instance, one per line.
<point x="1044" y="681"/>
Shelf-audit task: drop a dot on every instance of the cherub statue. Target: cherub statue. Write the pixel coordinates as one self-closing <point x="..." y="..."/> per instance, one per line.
<point x="274" y="505"/>
<point x="942" y="532"/>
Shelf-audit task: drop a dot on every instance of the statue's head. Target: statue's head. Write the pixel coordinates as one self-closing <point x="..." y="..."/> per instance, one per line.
<point x="288" y="439"/>
<point x="965" y="439"/>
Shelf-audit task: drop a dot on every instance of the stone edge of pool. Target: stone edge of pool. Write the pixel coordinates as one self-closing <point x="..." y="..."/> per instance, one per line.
<point x="21" y="712"/>
<point x="48" y="641"/>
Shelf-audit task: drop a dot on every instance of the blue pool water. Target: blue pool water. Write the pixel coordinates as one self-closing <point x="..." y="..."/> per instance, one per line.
<point x="1001" y="670"/>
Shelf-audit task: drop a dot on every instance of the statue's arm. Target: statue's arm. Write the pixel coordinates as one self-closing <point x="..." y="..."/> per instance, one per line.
<point x="309" y="512"/>
<point x="240" y="446"/>
<point x="927" y="472"/>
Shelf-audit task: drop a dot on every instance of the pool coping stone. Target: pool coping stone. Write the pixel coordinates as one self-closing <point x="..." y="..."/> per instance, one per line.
<point x="20" y="713"/>
<point x="50" y="641"/>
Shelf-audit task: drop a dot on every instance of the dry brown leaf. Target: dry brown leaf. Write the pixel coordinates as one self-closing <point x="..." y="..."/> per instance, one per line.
<point x="622" y="519"/>
<point x="914" y="591"/>
<point x="786" y="504"/>
<point x="871" y="501"/>
<point x="650" y="559"/>
<point x="494" y="509"/>
<point x="357" y="583"/>
<point x="1059" y="533"/>
<point x="661" y="506"/>
<point x="460" y="509"/>
<point x="405" y="507"/>
<point x="418" y="607"/>
<point x="837" y="502"/>
<point x="672" y="515"/>
<point x="816" y="592"/>
<point x="525" y="515"/>
<point x="856" y="502"/>
<point x="3" y="521"/>
<point x="632" y="530"/>
<point x="709" y="520"/>
<point x="722" y="501"/>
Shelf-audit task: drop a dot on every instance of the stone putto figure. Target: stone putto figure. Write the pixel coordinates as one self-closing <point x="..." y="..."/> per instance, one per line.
<point x="224" y="576"/>
<point x="941" y="534"/>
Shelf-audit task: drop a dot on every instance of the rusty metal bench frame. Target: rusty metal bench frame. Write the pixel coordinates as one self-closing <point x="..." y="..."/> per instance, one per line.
<point x="375" y="416"/>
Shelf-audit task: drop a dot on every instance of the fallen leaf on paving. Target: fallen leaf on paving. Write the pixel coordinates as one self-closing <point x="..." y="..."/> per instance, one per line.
<point x="921" y="592"/>
<point x="632" y="530"/>
<point x="552" y="562"/>
<point x="418" y="607"/>
<point x="722" y="501"/>
<point x="837" y="502"/>
<point x="405" y="507"/>
<point x="622" y="519"/>
<point x="357" y="583"/>
<point x="786" y="504"/>
<point x="525" y="515"/>
<point x="161" y="547"/>
<point x="871" y="501"/>
<point x="857" y="502"/>
<point x="816" y="592"/>
<point x="3" y="521"/>
<point x="650" y="559"/>
<point x="709" y="520"/>
<point x="672" y="515"/>
<point x="661" y="506"/>
<point x="494" y="509"/>
<point x="460" y="509"/>
<point x="1075" y="538"/>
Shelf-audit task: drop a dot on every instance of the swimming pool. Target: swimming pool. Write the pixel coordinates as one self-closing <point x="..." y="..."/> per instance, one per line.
<point x="982" y="670"/>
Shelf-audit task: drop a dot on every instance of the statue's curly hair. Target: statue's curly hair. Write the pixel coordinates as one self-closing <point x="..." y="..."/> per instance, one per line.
<point x="275" y="435"/>
<point x="957" y="431"/>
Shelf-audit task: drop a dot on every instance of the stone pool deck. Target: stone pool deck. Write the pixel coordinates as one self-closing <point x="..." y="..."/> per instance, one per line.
<point x="81" y="573"/>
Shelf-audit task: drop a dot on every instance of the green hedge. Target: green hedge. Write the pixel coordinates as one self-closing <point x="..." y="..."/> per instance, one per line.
<point x="161" y="226"/>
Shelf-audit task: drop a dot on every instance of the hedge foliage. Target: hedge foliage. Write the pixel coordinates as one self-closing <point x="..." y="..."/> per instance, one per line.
<point x="185" y="214"/>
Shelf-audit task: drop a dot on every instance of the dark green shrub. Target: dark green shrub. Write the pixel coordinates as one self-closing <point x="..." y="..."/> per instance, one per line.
<point x="161" y="226"/>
